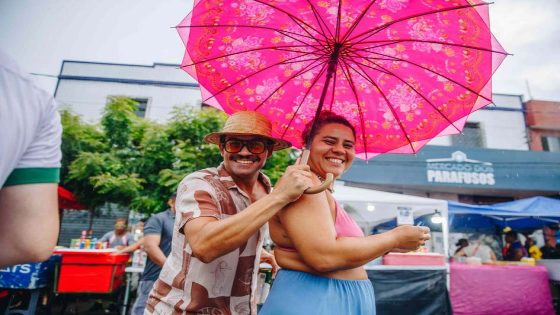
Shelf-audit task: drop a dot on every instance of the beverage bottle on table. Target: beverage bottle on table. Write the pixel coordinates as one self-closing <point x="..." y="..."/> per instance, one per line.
<point x="83" y="239"/>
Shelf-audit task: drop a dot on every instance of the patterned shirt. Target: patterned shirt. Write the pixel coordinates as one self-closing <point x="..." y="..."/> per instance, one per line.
<point x="226" y="285"/>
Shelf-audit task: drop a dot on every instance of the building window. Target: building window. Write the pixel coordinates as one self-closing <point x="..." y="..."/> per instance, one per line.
<point x="142" y="106"/>
<point x="550" y="143"/>
<point x="470" y="138"/>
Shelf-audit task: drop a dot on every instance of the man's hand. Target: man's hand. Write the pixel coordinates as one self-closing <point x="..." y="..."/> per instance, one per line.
<point x="296" y="179"/>
<point x="268" y="258"/>
<point x="409" y="237"/>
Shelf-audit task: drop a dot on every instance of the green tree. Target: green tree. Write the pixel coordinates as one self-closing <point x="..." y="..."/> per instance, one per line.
<point x="137" y="163"/>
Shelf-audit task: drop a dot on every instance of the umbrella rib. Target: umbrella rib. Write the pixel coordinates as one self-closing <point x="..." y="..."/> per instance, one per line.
<point x="308" y="67"/>
<point x="283" y="32"/>
<point x="319" y="19"/>
<point x="367" y="77"/>
<point x="428" y="69"/>
<point x="287" y="61"/>
<point x="378" y="29"/>
<point x="338" y="20"/>
<point x="251" y="50"/>
<point x="416" y="91"/>
<point x="360" y="113"/>
<point x="304" y="97"/>
<point x="295" y="19"/>
<point x="396" y="41"/>
<point x="357" y="21"/>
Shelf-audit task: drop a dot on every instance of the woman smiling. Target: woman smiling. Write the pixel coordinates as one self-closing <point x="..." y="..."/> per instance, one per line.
<point x="319" y="246"/>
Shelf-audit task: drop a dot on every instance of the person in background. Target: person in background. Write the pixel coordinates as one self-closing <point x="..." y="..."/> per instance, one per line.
<point x="462" y="243"/>
<point x="158" y="234"/>
<point x="119" y="238"/>
<point x="482" y="251"/>
<point x="29" y="168"/>
<point x="513" y="249"/>
<point x="532" y="249"/>
<point x="138" y="239"/>
<point x="221" y="221"/>
<point x="551" y="248"/>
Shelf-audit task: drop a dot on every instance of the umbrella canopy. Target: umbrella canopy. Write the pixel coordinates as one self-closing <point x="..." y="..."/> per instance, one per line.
<point x="401" y="71"/>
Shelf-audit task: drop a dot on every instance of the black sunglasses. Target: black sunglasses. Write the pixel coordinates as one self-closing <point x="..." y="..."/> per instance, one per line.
<point x="235" y="145"/>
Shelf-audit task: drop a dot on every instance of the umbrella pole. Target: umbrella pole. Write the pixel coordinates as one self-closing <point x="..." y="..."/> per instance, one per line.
<point x="329" y="178"/>
<point x="330" y="71"/>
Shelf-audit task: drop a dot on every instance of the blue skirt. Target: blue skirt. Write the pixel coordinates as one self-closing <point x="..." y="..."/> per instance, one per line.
<point x="296" y="292"/>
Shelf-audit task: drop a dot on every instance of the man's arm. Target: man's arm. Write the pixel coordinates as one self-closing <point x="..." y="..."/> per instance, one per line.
<point x="131" y="248"/>
<point x="210" y="238"/>
<point x="29" y="223"/>
<point x="151" y="246"/>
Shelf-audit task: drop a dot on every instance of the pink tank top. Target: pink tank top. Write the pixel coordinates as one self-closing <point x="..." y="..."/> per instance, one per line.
<point x="344" y="226"/>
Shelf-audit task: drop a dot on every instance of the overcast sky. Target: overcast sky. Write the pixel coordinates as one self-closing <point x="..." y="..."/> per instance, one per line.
<point x="39" y="34"/>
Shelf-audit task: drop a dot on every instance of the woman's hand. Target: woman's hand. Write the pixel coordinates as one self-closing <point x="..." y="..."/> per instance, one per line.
<point x="409" y="237"/>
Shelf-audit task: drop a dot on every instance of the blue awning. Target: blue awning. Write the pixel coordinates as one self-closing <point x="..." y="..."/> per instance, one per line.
<point x="522" y="215"/>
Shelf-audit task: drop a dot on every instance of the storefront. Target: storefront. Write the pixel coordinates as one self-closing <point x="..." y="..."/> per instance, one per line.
<point x="470" y="175"/>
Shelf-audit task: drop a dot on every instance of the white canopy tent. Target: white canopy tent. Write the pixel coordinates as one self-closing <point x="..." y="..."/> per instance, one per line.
<point x="372" y="207"/>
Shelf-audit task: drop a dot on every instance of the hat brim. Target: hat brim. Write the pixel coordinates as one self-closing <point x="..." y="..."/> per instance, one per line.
<point x="214" y="138"/>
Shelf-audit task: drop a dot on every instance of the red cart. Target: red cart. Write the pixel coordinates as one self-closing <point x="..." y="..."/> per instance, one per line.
<point x="90" y="271"/>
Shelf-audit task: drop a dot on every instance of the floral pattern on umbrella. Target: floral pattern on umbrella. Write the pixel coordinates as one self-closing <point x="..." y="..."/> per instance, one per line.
<point x="401" y="71"/>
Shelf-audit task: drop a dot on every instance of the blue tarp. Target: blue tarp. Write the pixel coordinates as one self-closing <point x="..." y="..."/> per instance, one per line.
<point x="522" y="215"/>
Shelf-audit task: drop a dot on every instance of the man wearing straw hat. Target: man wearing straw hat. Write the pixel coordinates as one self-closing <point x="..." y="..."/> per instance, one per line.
<point x="220" y="222"/>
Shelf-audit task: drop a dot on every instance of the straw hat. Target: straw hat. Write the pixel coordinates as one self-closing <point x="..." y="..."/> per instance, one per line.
<point x="248" y="123"/>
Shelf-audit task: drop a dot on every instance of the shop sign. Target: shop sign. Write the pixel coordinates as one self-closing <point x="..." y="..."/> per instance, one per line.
<point x="460" y="170"/>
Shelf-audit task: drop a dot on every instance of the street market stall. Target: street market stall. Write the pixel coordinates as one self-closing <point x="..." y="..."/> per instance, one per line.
<point x="513" y="288"/>
<point x="89" y="274"/>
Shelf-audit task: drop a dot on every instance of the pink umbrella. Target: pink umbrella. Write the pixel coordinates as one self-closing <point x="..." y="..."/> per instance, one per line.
<point x="401" y="71"/>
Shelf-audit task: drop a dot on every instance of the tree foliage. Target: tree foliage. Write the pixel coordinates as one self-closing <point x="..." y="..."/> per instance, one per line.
<point x="137" y="163"/>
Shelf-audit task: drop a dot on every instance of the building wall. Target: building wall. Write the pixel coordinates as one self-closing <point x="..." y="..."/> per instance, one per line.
<point x="543" y="119"/>
<point x="88" y="98"/>
<point x="84" y="87"/>
<point x="502" y="124"/>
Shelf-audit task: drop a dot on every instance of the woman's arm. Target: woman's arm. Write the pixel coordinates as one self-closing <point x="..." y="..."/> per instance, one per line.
<point x="309" y="225"/>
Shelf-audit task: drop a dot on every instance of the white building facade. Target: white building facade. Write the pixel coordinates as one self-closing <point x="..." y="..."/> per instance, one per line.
<point x="85" y="88"/>
<point x="497" y="126"/>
